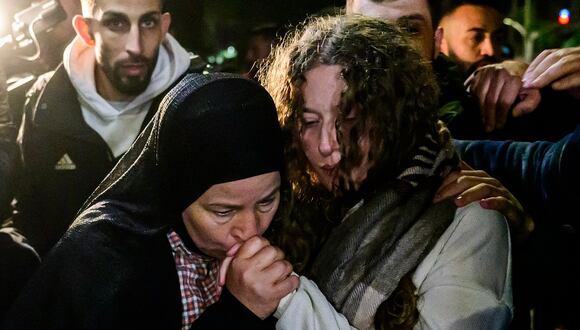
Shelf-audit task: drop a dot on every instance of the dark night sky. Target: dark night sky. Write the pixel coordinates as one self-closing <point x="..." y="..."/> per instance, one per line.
<point x="210" y="25"/>
<point x="206" y="26"/>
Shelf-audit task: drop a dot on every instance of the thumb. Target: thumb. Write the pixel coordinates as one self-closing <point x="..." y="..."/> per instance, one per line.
<point x="226" y="263"/>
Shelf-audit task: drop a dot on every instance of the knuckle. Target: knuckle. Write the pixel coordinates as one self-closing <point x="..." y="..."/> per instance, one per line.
<point x="289" y="267"/>
<point x="559" y="53"/>
<point x="280" y="254"/>
<point x="480" y="173"/>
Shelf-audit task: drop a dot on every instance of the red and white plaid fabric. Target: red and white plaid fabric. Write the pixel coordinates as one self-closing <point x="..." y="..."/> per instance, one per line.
<point x="198" y="280"/>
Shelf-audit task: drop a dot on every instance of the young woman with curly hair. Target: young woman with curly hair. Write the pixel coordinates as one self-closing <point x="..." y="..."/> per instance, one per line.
<point x="366" y="157"/>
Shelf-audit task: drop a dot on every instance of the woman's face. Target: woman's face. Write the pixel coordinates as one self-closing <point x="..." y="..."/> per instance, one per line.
<point x="232" y="212"/>
<point x="322" y="91"/>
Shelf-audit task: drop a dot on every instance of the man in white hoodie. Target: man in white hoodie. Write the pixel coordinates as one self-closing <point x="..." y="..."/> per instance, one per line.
<point x="81" y="118"/>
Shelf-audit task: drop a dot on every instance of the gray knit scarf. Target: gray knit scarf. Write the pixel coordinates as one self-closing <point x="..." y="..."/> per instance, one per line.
<point x="385" y="236"/>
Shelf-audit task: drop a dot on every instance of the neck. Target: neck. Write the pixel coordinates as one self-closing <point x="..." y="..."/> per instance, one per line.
<point x="106" y="89"/>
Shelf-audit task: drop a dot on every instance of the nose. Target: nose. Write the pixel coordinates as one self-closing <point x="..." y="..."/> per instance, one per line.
<point x="133" y="44"/>
<point x="328" y="141"/>
<point x="487" y="47"/>
<point x="247" y="226"/>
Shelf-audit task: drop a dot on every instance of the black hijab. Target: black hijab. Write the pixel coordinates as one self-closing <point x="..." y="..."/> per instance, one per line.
<point x="114" y="268"/>
<point x="209" y="129"/>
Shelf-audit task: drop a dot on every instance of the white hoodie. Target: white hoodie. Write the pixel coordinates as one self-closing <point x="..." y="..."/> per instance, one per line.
<point x="117" y="123"/>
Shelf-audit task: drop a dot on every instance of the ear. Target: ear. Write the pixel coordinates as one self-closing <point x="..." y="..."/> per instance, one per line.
<point x="439" y="44"/>
<point x="165" y="22"/>
<point x="83" y="30"/>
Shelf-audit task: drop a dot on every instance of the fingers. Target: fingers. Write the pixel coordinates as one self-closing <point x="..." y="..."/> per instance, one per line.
<point x="511" y="211"/>
<point x="459" y="181"/>
<point x="568" y="82"/>
<point x="551" y="66"/>
<point x="508" y="95"/>
<point x="252" y="246"/>
<point x="530" y="99"/>
<point x="503" y="205"/>
<point x="531" y="72"/>
<point x="226" y="263"/>
<point x="473" y="185"/>
<point x="279" y="271"/>
<point x="474" y="189"/>
<point x="268" y="256"/>
<point x="497" y="103"/>
<point x="259" y="276"/>
<point x="496" y="89"/>
<point x="520" y="223"/>
<point x="287" y="285"/>
<point x="487" y="104"/>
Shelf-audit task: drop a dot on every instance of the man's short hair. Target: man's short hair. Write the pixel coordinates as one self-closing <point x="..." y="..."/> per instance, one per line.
<point x="448" y="6"/>
<point x="88" y="6"/>
<point x="434" y="8"/>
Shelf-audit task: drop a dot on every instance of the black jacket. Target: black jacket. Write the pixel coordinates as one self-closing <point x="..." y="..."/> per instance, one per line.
<point x="63" y="160"/>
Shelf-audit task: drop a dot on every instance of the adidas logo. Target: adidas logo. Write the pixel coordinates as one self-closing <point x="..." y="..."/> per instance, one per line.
<point x="65" y="164"/>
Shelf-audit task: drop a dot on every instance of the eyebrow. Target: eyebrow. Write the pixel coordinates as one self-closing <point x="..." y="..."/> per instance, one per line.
<point x="273" y="192"/>
<point x="476" y="29"/>
<point x="111" y="14"/>
<point x="413" y="17"/>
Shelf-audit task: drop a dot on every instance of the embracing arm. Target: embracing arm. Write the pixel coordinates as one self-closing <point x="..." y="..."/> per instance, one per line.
<point x="542" y="175"/>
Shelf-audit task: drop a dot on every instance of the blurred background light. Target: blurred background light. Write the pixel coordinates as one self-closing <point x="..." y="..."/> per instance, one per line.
<point x="564" y="17"/>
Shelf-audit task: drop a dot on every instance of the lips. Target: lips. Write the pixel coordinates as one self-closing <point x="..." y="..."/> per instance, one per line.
<point x="134" y="69"/>
<point x="328" y="169"/>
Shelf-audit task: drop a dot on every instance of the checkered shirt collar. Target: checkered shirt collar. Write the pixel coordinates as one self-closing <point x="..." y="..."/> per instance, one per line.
<point x="198" y="279"/>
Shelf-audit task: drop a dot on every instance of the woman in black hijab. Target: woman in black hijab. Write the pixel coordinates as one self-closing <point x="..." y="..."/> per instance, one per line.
<point x="145" y="251"/>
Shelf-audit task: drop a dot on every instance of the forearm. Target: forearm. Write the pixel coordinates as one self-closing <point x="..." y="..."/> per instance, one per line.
<point x="307" y="308"/>
<point x="542" y="175"/>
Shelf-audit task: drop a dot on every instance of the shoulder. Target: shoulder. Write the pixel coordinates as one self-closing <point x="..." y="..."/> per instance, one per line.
<point x="472" y="218"/>
<point x="465" y="280"/>
<point x="102" y="235"/>
<point x="476" y="239"/>
<point x="39" y="85"/>
<point x="53" y="84"/>
<point x="475" y="231"/>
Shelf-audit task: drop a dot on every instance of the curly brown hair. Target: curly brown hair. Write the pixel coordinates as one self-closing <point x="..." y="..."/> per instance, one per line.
<point x="387" y="81"/>
<point x="394" y="91"/>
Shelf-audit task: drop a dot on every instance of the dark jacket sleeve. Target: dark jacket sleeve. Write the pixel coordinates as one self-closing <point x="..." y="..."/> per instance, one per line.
<point x="229" y="313"/>
<point x="20" y="183"/>
<point x="100" y="277"/>
<point x="8" y="150"/>
<point x="544" y="176"/>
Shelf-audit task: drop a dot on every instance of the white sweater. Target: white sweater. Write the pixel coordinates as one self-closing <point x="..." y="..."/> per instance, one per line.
<point x="463" y="283"/>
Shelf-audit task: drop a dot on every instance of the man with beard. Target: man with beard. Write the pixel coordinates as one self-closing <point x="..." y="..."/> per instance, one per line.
<point x="80" y="119"/>
<point x="499" y="92"/>
<point x="472" y="33"/>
